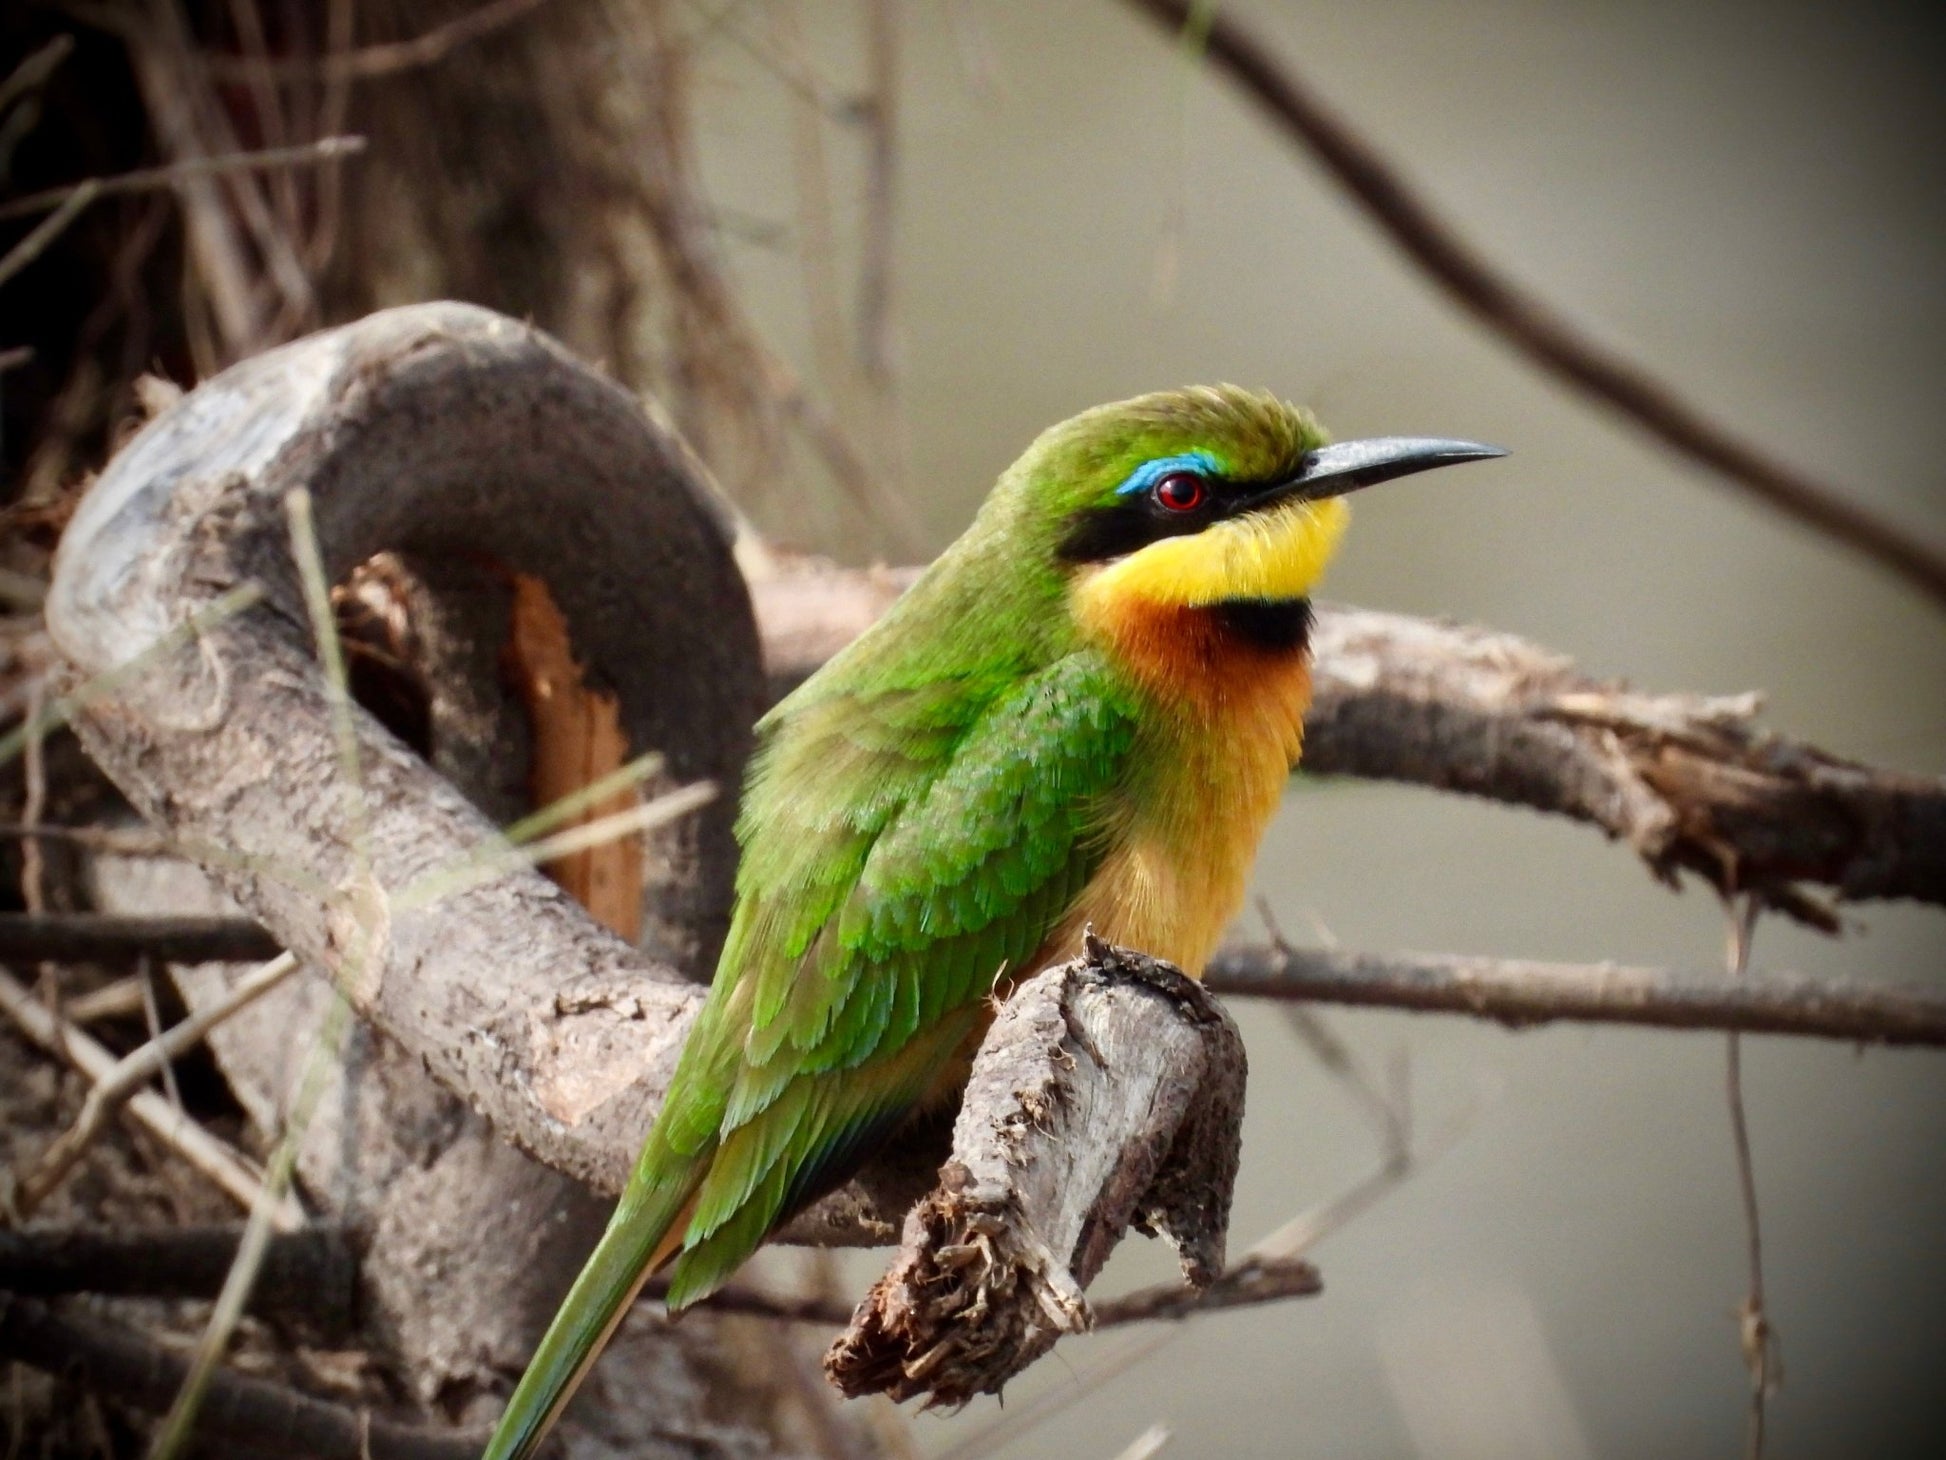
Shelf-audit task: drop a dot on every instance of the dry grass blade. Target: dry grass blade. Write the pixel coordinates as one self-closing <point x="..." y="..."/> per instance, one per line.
<point x="498" y="858"/>
<point x="52" y="227"/>
<point x="1147" y="1445"/>
<point x="566" y="808"/>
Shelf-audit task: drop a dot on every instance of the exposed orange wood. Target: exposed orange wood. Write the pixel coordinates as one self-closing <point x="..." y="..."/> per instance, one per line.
<point x="577" y="739"/>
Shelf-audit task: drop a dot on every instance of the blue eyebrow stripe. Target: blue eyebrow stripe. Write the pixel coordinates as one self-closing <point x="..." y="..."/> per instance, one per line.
<point x="1146" y="475"/>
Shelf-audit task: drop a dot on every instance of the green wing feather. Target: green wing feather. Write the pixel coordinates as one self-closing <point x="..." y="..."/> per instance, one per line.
<point x="903" y="845"/>
<point x="870" y="928"/>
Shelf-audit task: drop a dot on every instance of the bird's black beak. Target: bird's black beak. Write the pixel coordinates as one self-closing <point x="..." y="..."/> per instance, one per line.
<point x="1332" y="471"/>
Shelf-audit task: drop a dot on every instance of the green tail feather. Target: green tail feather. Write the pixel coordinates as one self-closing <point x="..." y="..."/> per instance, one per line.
<point x="600" y="1296"/>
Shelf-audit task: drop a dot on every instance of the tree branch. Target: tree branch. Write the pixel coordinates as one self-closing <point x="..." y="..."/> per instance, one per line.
<point x="1521" y="994"/>
<point x="1690" y="782"/>
<point x="1530" y="325"/>
<point x="310" y="1274"/>
<point x="111" y="939"/>
<point x="240" y="1410"/>
<point x="560" y="1034"/>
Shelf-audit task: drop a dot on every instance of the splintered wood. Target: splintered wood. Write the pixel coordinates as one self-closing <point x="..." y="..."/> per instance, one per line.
<point x="578" y="739"/>
<point x="1108" y="1094"/>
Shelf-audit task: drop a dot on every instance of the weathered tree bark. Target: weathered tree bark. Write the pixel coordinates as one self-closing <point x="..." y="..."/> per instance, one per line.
<point x="474" y="450"/>
<point x="1109" y="1092"/>
<point x="1690" y="782"/>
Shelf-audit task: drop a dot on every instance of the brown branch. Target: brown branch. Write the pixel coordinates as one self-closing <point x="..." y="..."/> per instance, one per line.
<point x="1758" y="1337"/>
<point x="1532" y="326"/>
<point x="148" y="179"/>
<point x="310" y="1274"/>
<point x="504" y="990"/>
<point x="103" y="938"/>
<point x="1691" y="783"/>
<point x="388" y="59"/>
<point x="240" y="1410"/>
<point x="1521" y="994"/>
<point x="1515" y="992"/>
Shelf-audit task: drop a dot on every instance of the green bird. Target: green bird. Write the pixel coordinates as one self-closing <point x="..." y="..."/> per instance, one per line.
<point x="1084" y="712"/>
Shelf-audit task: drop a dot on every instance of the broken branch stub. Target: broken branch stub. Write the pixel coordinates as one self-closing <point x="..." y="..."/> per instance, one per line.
<point x="1108" y="1094"/>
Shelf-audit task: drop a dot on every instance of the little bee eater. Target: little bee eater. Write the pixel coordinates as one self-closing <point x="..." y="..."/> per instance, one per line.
<point x="1084" y="712"/>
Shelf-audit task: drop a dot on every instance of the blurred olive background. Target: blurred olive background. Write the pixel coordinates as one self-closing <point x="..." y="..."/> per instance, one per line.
<point x="1746" y="196"/>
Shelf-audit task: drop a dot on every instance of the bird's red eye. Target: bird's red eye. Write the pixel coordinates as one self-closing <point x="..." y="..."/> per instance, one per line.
<point x="1181" y="491"/>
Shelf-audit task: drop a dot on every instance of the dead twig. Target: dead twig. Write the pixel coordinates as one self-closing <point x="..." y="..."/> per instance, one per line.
<point x="198" y="1147"/>
<point x="150" y="179"/>
<point x="241" y="1410"/>
<point x="103" y="938"/>
<point x="114" y="1087"/>
<point x="310" y="1275"/>
<point x="1530" y="325"/>
<point x="367" y="63"/>
<point x="1756" y="1336"/>
<point x="1521" y="993"/>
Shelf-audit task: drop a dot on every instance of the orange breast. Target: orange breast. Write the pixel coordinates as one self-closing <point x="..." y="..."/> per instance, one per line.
<point x="1215" y="756"/>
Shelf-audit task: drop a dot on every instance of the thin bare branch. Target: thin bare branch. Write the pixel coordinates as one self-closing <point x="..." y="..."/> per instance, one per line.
<point x="117" y="1085"/>
<point x="1521" y="993"/>
<point x="243" y="1411"/>
<point x="1533" y="327"/>
<point x="1515" y="992"/>
<point x="366" y="63"/>
<point x="310" y="1275"/>
<point x="151" y="179"/>
<point x="195" y="1145"/>
<point x="104" y="938"/>
<point x="1757" y="1337"/>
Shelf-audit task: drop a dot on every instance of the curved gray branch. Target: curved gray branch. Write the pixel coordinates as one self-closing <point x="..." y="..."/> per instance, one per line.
<point x="474" y="447"/>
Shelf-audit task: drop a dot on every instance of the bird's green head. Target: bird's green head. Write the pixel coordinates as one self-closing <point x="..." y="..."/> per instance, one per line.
<point x="1187" y="498"/>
